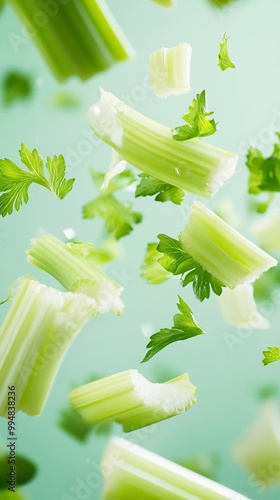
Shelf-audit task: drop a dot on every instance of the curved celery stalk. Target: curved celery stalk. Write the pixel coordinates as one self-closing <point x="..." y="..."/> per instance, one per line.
<point x="76" y="38"/>
<point x="221" y="250"/>
<point x="170" y="70"/>
<point x="76" y="273"/>
<point x="131" y="400"/>
<point x="239" y="308"/>
<point x="191" y="165"/>
<point x="39" y="328"/>
<point x="136" y="473"/>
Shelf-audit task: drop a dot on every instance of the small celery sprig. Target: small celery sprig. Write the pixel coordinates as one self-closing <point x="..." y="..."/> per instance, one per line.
<point x="151" y="270"/>
<point x="190" y="165"/>
<point x="224" y="60"/>
<point x="75" y="38"/>
<point x="39" y="328"/>
<point x="150" y="186"/>
<point x="184" y="327"/>
<point x="197" y="121"/>
<point x="131" y="400"/>
<point x="76" y="273"/>
<point x="272" y="354"/>
<point x="15" y="182"/>
<point x="264" y="172"/>
<point x="239" y="308"/>
<point x="136" y="473"/>
<point x="211" y="253"/>
<point x="170" y="70"/>
<point x="119" y="217"/>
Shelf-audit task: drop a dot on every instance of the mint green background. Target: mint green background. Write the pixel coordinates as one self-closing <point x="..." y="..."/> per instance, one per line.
<point x="247" y="105"/>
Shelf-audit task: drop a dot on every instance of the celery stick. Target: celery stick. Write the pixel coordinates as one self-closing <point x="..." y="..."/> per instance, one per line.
<point x="131" y="400"/>
<point x="221" y="250"/>
<point x="136" y="473"/>
<point x="170" y="70"/>
<point x="39" y="328"/>
<point x="76" y="273"/>
<point x="191" y="165"/>
<point x="76" y="38"/>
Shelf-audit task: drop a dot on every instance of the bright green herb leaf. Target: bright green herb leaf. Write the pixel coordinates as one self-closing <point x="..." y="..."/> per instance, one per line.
<point x="151" y="270"/>
<point x="224" y="60"/>
<point x="271" y="355"/>
<point x="25" y="470"/>
<point x="15" y="182"/>
<point x="178" y="261"/>
<point x="149" y="186"/>
<point x="184" y="327"/>
<point x="264" y="172"/>
<point x="197" y="123"/>
<point x="16" y="86"/>
<point x="118" y="217"/>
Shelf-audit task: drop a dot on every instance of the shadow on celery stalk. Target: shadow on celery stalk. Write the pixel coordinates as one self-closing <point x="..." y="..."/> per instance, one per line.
<point x="75" y="38"/>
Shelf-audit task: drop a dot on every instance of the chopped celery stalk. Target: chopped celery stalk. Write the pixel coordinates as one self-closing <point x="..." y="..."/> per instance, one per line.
<point x="258" y="450"/>
<point x="267" y="231"/>
<point x="221" y="250"/>
<point x="170" y="70"/>
<point x="191" y="165"/>
<point x="136" y="473"/>
<point x="76" y="273"/>
<point x="39" y="328"/>
<point x="239" y="308"/>
<point x="75" y="38"/>
<point x="131" y="400"/>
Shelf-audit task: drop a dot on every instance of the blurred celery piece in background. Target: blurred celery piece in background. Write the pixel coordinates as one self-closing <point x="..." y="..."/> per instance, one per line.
<point x="75" y="38"/>
<point x="16" y="86"/>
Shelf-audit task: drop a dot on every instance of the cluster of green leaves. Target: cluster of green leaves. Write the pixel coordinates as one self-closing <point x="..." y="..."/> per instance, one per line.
<point x="16" y="86"/>
<point x="184" y="327"/>
<point x="15" y="182"/>
<point x="75" y="426"/>
<point x="272" y="354"/>
<point x="25" y="470"/>
<point x="150" y="186"/>
<point x="151" y="270"/>
<point x="119" y="217"/>
<point x="178" y="262"/>
<point x="264" y="172"/>
<point x="197" y="121"/>
<point x="224" y="60"/>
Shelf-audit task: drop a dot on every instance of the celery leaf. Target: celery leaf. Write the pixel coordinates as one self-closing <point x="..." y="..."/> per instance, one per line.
<point x="271" y="355"/>
<point x="184" y="327"/>
<point x="16" y="86"/>
<point x="15" y="182"/>
<point x="151" y="270"/>
<point x="178" y="261"/>
<point x="149" y="186"/>
<point x="26" y="470"/>
<point x="197" y="123"/>
<point x="264" y="172"/>
<point x="224" y="60"/>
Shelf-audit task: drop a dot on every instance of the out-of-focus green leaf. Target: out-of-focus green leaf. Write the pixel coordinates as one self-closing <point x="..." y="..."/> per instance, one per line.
<point x="25" y="470"/>
<point x="16" y="86"/>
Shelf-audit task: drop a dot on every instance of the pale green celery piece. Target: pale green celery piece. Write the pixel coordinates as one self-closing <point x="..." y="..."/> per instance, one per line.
<point x="165" y="3"/>
<point x="76" y="273"/>
<point x="39" y="328"/>
<point x="221" y="250"/>
<point x="131" y="400"/>
<point x="75" y="38"/>
<point x="267" y="231"/>
<point x="170" y="70"/>
<point x="191" y="165"/>
<point x="258" y="451"/>
<point x="239" y="308"/>
<point x="136" y="473"/>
